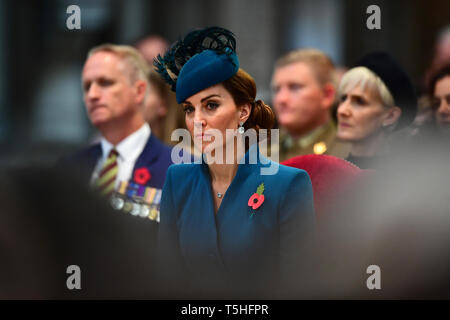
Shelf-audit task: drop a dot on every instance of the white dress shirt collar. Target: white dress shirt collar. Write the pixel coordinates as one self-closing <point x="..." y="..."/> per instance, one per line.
<point x="129" y="148"/>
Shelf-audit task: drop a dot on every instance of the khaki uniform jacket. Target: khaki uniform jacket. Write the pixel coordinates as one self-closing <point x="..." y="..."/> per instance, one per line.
<point x="321" y="140"/>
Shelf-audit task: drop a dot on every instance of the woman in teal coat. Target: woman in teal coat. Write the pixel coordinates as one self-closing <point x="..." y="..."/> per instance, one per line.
<point x="231" y="225"/>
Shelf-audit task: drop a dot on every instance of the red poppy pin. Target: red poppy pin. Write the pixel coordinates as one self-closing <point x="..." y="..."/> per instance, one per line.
<point x="142" y="175"/>
<point x="257" y="199"/>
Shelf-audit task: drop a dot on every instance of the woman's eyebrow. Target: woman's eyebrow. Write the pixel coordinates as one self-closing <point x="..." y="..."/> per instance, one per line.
<point x="210" y="96"/>
<point x="356" y="96"/>
<point x="206" y="98"/>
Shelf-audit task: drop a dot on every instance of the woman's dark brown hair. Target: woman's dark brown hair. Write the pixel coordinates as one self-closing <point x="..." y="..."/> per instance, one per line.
<point x="242" y="88"/>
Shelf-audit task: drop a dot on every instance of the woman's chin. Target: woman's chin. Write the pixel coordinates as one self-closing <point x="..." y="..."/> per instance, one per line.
<point x="202" y="146"/>
<point x="344" y="137"/>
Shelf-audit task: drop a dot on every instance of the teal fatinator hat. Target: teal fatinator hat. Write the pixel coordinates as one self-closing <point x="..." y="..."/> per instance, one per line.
<point x="202" y="59"/>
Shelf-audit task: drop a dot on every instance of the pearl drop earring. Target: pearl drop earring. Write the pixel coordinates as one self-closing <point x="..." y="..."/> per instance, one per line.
<point x="241" y="127"/>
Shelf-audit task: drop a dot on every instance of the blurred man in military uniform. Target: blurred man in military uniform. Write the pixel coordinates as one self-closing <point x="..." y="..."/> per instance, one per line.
<point x="304" y="90"/>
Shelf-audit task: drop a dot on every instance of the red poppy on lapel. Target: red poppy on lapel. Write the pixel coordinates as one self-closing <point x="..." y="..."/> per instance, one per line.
<point x="259" y="200"/>
<point x="258" y="196"/>
<point x="142" y="175"/>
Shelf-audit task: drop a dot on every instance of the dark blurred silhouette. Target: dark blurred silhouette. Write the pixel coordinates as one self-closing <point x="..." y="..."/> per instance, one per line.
<point x="49" y="221"/>
<point x="399" y="221"/>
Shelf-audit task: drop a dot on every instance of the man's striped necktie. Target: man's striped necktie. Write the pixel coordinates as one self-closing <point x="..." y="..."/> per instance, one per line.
<point x="107" y="178"/>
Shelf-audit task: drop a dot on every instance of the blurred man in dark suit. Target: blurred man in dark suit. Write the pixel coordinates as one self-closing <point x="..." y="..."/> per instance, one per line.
<point x="129" y="163"/>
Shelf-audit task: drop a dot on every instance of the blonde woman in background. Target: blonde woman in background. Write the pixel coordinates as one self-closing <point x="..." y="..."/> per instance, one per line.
<point x="376" y="98"/>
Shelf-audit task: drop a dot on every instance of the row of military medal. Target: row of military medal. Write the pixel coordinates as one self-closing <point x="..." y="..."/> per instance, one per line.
<point x="137" y="200"/>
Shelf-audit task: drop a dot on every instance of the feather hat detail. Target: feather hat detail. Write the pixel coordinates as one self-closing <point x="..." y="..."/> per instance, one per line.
<point x="201" y="59"/>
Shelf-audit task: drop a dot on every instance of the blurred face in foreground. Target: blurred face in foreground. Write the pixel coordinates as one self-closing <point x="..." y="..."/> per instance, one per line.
<point x="441" y="104"/>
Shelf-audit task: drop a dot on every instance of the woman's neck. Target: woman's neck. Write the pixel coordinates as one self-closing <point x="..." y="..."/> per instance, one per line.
<point x="221" y="177"/>
<point x="369" y="146"/>
<point x="116" y="131"/>
<point x="223" y="173"/>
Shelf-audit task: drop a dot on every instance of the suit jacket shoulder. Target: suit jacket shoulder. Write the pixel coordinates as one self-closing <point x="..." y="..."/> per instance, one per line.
<point x="156" y="158"/>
